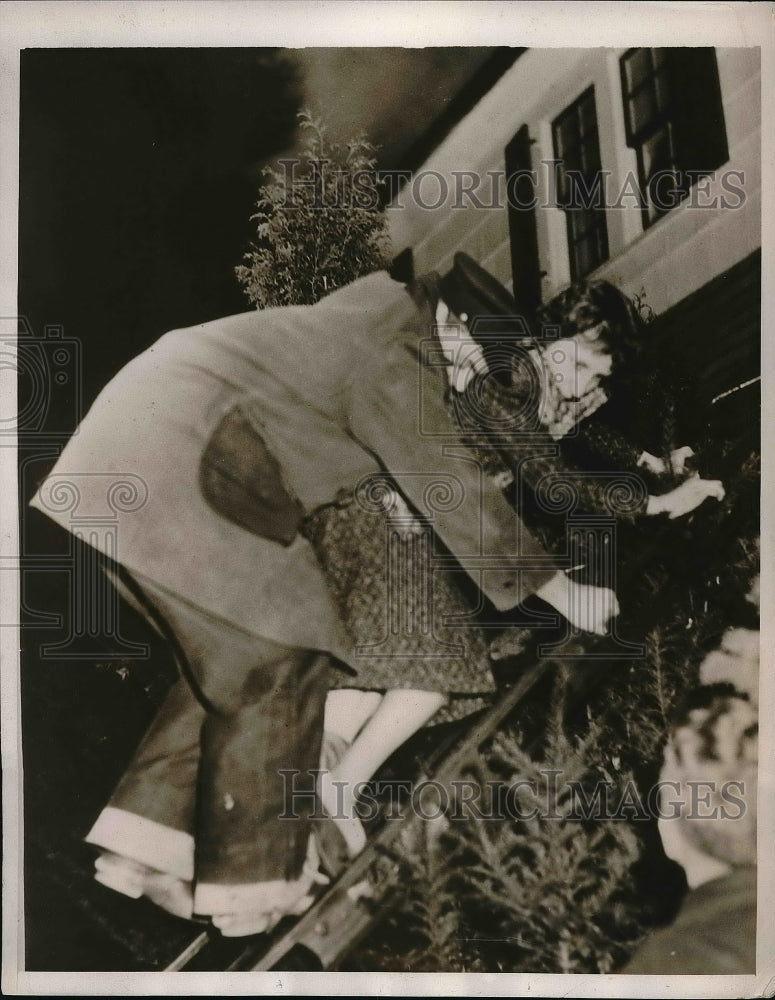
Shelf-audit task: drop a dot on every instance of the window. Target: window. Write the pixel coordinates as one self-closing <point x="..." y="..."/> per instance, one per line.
<point x="580" y="187"/>
<point x="674" y="121"/>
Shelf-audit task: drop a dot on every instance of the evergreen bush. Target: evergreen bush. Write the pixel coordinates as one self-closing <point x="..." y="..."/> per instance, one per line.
<point x="319" y="221"/>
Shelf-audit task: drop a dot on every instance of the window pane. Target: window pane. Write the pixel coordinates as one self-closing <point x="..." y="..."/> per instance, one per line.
<point x="657" y="154"/>
<point x="587" y="240"/>
<point x="590" y="163"/>
<point x="643" y="109"/>
<point x="662" y="86"/>
<point x="566" y="135"/>
<point x="587" y="117"/>
<point x="637" y="67"/>
<point x="573" y="158"/>
<point x="587" y="191"/>
<point x="564" y="193"/>
<point x="664" y="183"/>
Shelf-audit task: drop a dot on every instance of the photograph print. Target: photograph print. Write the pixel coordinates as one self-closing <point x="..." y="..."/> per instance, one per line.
<point x="388" y="451"/>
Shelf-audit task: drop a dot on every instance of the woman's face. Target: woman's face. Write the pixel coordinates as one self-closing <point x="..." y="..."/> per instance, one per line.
<point x="577" y="365"/>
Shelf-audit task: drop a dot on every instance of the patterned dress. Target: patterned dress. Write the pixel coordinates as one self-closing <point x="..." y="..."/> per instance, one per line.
<point x="412" y="623"/>
<point x="412" y="620"/>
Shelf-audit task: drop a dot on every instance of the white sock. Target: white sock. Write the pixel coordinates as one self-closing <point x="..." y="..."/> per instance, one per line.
<point x="340" y="806"/>
<point x="348" y="709"/>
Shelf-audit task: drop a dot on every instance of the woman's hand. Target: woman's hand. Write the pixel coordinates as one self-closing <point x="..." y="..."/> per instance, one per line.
<point x="655" y="465"/>
<point x="686" y="497"/>
<point x="678" y="459"/>
<point x="676" y="463"/>
<point x="586" y="607"/>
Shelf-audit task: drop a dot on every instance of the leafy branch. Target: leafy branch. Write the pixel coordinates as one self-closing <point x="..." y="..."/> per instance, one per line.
<point x="319" y="221"/>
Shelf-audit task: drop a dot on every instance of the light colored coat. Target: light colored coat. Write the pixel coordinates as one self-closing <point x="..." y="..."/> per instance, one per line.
<point x="337" y="391"/>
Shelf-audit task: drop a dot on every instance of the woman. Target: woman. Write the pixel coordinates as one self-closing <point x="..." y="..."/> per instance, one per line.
<point x="555" y="388"/>
<point x="511" y="409"/>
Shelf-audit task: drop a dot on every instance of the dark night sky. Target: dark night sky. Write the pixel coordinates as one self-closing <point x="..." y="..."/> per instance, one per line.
<point x="139" y="169"/>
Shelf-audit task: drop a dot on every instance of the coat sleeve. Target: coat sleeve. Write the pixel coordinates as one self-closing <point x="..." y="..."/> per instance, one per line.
<point x="654" y="430"/>
<point x="621" y="494"/>
<point x="397" y="411"/>
<point x="540" y="463"/>
<point x="601" y="439"/>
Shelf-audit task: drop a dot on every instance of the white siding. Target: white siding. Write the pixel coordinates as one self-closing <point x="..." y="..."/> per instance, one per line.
<point x="674" y="257"/>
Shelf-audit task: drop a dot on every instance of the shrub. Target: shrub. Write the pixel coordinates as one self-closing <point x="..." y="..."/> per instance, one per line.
<point x="319" y="222"/>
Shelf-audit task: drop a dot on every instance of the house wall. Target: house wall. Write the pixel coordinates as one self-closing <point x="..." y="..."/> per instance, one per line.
<point x="674" y="257"/>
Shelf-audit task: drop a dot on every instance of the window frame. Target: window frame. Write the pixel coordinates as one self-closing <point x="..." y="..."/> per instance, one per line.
<point x="594" y="224"/>
<point x="676" y="120"/>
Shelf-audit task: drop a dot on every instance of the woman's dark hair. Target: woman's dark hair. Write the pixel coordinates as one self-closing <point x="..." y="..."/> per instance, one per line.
<point x="596" y="304"/>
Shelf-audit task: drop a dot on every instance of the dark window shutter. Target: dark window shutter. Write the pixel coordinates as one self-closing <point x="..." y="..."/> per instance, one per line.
<point x="523" y="234"/>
